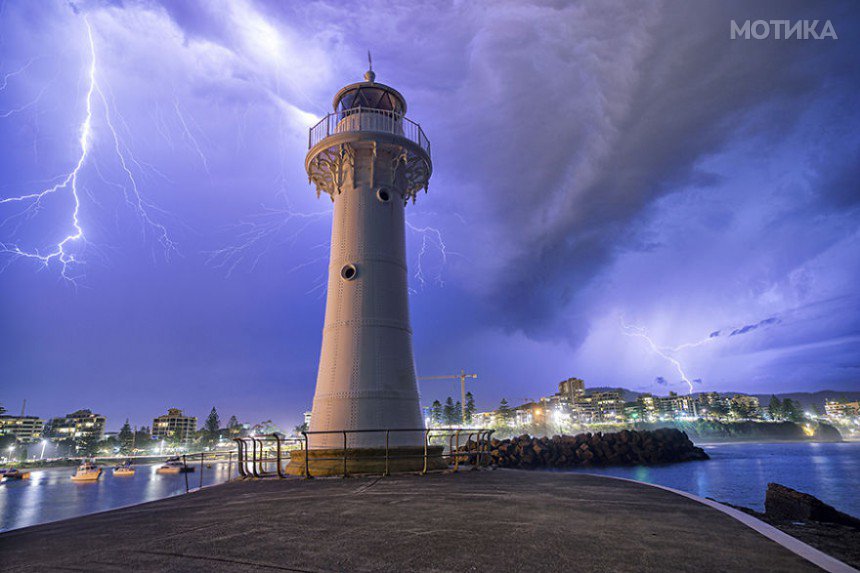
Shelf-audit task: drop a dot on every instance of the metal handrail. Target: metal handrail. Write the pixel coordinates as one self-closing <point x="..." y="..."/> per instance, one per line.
<point x="254" y="459"/>
<point x="365" y="119"/>
<point x="215" y="456"/>
<point x="255" y="455"/>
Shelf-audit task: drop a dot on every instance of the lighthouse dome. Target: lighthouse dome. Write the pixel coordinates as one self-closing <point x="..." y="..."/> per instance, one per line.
<point x="369" y="94"/>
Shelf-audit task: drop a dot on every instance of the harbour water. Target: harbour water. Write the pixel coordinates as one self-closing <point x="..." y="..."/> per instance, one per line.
<point x="49" y="494"/>
<point x="737" y="473"/>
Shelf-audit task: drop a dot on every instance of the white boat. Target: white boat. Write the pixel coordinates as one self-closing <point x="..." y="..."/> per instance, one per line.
<point x="174" y="466"/>
<point x="124" y="469"/>
<point x="87" y="471"/>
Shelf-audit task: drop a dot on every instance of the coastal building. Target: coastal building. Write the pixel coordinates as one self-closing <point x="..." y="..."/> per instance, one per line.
<point x="174" y="427"/>
<point x="839" y="410"/>
<point x="484" y="419"/>
<point x="674" y="407"/>
<point x="648" y="407"/>
<point x="633" y="412"/>
<point x="529" y="413"/>
<point x="583" y="410"/>
<point x="24" y="428"/>
<point x="609" y="406"/>
<point x="571" y="389"/>
<point x="79" y="425"/>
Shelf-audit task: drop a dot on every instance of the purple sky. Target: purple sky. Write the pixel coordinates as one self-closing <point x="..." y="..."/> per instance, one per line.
<point x="601" y="171"/>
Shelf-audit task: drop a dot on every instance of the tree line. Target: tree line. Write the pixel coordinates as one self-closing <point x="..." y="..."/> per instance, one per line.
<point x="451" y="413"/>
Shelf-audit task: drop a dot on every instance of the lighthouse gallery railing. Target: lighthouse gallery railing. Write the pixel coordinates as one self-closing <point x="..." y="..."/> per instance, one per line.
<point x="368" y="120"/>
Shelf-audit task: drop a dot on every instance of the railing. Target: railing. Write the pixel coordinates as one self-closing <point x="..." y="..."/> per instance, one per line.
<point x="267" y="456"/>
<point x="258" y="454"/>
<point x="200" y="461"/>
<point x="366" y="119"/>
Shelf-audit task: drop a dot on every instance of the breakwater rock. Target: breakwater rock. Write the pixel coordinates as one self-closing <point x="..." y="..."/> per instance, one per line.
<point x="626" y="447"/>
<point x="786" y="504"/>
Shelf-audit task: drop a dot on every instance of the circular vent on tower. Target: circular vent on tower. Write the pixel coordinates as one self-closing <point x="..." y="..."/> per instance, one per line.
<point x="348" y="272"/>
<point x="384" y="194"/>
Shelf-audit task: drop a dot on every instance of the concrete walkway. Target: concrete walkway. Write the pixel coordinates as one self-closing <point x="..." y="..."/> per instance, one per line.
<point x="505" y="520"/>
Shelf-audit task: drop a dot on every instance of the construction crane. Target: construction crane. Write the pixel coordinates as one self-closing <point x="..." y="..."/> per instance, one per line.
<point x="462" y="376"/>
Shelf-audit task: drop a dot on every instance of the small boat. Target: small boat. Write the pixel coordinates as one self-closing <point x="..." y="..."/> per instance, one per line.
<point x="124" y="469"/>
<point x="87" y="471"/>
<point x="174" y="466"/>
<point x="13" y="473"/>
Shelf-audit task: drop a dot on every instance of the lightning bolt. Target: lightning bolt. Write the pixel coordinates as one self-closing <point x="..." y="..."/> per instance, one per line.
<point x="663" y="352"/>
<point x="431" y="238"/>
<point x="190" y="136"/>
<point x="258" y="234"/>
<point x="12" y="74"/>
<point x="5" y="83"/>
<point x="63" y="252"/>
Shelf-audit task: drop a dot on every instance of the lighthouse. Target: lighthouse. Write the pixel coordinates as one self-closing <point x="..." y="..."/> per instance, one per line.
<point x="372" y="161"/>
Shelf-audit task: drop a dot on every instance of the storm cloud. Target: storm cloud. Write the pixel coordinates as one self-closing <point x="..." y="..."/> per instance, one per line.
<point x="591" y="161"/>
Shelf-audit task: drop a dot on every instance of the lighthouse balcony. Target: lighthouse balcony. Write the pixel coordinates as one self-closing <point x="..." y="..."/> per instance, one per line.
<point x="363" y="119"/>
<point x="331" y="141"/>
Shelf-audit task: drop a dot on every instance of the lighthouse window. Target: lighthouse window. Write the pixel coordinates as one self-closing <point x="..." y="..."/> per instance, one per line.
<point x="348" y="272"/>
<point x="367" y="97"/>
<point x="383" y="195"/>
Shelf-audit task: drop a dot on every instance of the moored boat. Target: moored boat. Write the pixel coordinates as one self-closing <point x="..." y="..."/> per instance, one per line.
<point x="13" y="474"/>
<point x="124" y="469"/>
<point x="87" y="471"/>
<point x="174" y="466"/>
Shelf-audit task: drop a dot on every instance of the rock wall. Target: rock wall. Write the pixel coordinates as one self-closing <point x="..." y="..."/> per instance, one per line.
<point x="627" y="447"/>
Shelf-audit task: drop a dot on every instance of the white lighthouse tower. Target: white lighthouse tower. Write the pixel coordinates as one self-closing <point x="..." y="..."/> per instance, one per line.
<point x="371" y="160"/>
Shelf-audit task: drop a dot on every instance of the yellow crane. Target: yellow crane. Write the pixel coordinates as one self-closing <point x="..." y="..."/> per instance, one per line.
<point x="462" y="376"/>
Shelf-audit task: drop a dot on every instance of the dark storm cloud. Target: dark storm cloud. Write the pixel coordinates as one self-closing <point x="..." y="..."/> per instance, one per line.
<point x="571" y="185"/>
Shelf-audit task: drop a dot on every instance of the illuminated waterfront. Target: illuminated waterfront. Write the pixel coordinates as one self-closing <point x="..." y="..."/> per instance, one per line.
<point x="49" y="494"/>
<point x="737" y="473"/>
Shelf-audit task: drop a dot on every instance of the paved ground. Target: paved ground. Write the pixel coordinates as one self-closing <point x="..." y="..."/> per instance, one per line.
<point x="503" y="520"/>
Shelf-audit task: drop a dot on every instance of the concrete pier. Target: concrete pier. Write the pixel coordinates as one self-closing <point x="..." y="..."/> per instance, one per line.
<point x="504" y="520"/>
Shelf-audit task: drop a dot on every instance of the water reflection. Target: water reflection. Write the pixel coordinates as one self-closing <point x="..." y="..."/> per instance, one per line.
<point x="50" y="495"/>
<point x="739" y="473"/>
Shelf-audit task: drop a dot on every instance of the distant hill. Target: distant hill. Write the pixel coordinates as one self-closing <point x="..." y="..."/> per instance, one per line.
<point x="806" y="398"/>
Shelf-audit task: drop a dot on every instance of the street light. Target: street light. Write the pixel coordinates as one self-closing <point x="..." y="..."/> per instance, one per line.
<point x="44" y="443"/>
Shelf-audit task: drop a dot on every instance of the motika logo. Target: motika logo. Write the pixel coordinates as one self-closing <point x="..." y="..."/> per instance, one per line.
<point x="783" y="30"/>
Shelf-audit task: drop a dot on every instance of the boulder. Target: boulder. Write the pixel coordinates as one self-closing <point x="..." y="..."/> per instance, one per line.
<point x="786" y="504"/>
